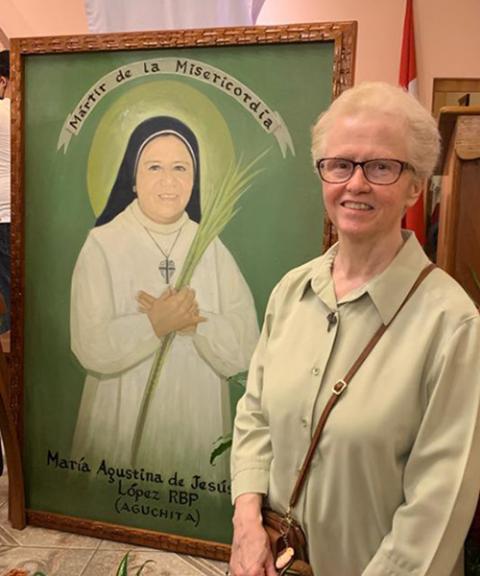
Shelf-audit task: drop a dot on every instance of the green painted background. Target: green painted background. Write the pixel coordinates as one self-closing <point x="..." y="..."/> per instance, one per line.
<point x="279" y="226"/>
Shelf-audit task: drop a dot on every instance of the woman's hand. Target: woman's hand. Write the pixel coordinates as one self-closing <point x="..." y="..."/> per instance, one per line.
<point x="173" y="311"/>
<point x="251" y="553"/>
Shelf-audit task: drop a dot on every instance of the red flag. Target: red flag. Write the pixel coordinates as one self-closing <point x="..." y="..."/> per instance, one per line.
<point x="415" y="217"/>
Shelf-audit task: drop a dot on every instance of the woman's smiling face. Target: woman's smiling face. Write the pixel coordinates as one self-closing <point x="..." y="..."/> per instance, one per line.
<point x="358" y="208"/>
<point x="164" y="179"/>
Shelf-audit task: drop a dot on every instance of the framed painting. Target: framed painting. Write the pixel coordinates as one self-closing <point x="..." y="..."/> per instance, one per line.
<point x="162" y="185"/>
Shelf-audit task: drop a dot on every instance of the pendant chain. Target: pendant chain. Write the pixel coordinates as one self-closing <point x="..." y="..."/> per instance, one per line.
<point x="167" y="266"/>
<point x="166" y="255"/>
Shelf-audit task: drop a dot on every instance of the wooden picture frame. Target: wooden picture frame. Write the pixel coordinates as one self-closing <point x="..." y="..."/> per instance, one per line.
<point x="66" y="91"/>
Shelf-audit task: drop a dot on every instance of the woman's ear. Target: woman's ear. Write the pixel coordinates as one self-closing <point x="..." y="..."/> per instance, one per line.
<point x="415" y="191"/>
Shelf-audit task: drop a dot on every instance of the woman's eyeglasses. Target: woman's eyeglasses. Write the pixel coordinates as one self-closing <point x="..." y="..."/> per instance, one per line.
<point x="381" y="171"/>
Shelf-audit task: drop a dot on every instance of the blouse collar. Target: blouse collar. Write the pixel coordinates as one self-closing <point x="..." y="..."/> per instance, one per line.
<point x="387" y="290"/>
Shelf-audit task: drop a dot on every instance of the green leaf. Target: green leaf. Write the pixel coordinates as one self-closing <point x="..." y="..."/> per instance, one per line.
<point x="140" y="570"/>
<point x="123" y="568"/>
<point x="239" y="379"/>
<point x="224" y="444"/>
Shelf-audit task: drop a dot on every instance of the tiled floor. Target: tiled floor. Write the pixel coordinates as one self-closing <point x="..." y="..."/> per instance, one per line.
<point x="61" y="554"/>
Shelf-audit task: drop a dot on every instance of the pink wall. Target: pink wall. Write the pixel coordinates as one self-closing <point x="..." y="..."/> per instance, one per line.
<point x="42" y="18"/>
<point x="446" y="32"/>
<point x="448" y="42"/>
<point x="379" y="28"/>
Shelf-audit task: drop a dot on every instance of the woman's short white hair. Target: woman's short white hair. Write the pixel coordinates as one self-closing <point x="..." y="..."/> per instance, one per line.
<point x="423" y="146"/>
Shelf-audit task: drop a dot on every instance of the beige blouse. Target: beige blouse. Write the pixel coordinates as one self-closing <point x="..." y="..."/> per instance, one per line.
<point x="393" y="486"/>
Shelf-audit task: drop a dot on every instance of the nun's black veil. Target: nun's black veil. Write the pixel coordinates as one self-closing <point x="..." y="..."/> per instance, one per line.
<point x="123" y="194"/>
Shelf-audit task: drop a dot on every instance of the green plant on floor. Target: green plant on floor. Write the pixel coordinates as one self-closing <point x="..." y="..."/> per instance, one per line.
<point x="122" y="568"/>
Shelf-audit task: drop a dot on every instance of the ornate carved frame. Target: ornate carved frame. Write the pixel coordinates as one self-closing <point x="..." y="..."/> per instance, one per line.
<point x="342" y="34"/>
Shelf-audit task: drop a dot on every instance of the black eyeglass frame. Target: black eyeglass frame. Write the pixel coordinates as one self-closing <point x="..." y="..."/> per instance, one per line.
<point x="403" y="166"/>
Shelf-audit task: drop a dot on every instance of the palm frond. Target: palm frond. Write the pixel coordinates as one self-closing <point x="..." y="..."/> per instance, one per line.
<point x="219" y="209"/>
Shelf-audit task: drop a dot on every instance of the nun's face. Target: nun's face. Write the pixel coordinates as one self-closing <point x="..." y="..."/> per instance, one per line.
<point x="164" y="179"/>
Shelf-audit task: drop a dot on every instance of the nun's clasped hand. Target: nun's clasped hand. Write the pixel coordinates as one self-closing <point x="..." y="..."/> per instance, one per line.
<point x="173" y="311"/>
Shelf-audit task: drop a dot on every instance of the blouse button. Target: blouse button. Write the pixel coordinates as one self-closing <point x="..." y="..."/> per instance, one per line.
<point x="315" y="371"/>
<point x="304" y="422"/>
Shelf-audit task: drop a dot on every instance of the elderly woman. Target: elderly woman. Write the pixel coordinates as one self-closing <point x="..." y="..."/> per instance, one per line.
<point x="394" y="481"/>
<point x="123" y="304"/>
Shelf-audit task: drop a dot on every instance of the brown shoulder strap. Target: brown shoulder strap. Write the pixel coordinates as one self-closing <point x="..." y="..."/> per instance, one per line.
<point x="340" y="387"/>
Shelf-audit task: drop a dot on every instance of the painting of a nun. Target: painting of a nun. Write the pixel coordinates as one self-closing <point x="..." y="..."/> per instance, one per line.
<point x="123" y="303"/>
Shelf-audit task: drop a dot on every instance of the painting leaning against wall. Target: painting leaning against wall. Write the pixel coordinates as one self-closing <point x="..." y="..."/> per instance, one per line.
<point x="177" y="185"/>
